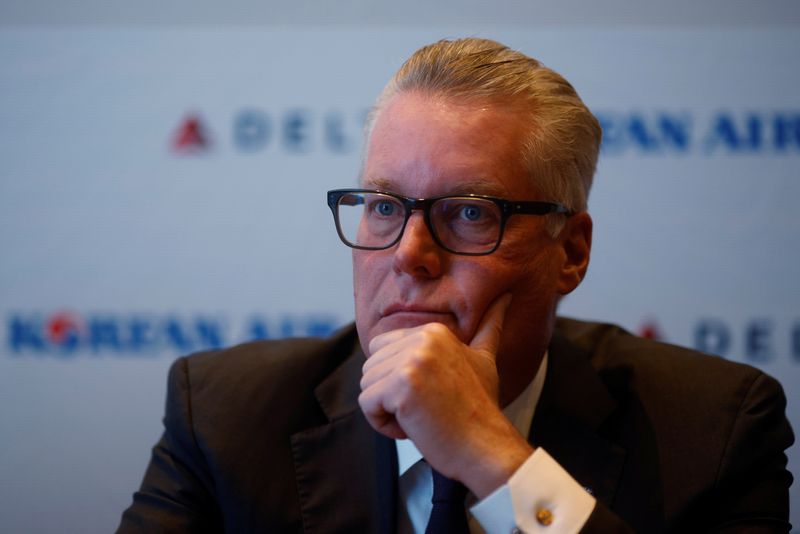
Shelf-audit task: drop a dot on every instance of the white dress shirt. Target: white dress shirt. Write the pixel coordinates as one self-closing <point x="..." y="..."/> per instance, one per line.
<point x="539" y="497"/>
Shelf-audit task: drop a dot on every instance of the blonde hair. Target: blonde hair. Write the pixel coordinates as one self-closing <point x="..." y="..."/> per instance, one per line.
<point x="563" y="138"/>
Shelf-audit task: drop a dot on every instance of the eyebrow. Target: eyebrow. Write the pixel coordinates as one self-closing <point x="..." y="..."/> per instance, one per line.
<point x="473" y="186"/>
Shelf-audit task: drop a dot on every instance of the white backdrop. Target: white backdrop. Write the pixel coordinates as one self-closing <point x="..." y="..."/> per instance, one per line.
<point x="162" y="191"/>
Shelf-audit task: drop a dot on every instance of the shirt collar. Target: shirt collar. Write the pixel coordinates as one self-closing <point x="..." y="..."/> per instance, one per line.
<point x="519" y="412"/>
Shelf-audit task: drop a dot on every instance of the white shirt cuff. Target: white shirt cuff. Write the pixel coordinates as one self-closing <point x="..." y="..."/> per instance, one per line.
<point x="540" y="497"/>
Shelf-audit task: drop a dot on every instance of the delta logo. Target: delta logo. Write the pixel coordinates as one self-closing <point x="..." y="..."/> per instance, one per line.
<point x="191" y="136"/>
<point x="756" y="341"/>
<point x="253" y="130"/>
<point x="67" y="333"/>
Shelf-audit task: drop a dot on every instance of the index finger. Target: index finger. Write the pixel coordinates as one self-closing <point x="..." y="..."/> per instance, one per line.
<point x="487" y="337"/>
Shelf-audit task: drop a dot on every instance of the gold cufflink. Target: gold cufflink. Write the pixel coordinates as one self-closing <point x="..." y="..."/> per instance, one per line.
<point x="544" y="516"/>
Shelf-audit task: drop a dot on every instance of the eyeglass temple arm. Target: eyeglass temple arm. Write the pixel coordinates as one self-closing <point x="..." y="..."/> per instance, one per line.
<point x="539" y="208"/>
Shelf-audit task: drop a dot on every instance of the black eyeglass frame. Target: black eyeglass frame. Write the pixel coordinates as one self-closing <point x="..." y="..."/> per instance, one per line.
<point x="507" y="209"/>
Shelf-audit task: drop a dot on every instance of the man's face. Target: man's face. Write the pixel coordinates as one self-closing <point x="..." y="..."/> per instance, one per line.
<point x="426" y="146"/>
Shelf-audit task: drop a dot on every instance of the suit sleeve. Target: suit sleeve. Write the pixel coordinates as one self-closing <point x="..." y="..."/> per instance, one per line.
<point x="753" y="482"/>
<point x="176" y="494"/>
<point x="751" y="490"/>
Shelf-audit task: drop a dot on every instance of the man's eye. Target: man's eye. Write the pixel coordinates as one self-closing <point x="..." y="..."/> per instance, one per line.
<point x="384" y="208"/>
<point x="470" y="212"/>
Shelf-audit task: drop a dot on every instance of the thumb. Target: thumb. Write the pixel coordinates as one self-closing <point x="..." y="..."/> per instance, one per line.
<point x="487" y="337"/>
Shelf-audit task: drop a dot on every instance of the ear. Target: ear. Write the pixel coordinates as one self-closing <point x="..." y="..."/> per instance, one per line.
<point x="575" y="240"/>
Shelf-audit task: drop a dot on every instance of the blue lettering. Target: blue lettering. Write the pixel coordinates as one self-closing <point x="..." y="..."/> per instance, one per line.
<point x="335" y="137"/>
<point x="176" y="336"/>
<point x="320" y="326"/>
<point x="313" y="326"/>
<point x="251" y="130"/>
<point x="142" y="335"/>
<point x="257" y="329"/>
<point x="723" y="131"/>
<point x="104" y="333"/>
<point x="786" y="131"/>
<point x="754" y="133"/>
<point x="287" y="327"/>
<point x="295" y="134"/>
<point x="756" y="341"/>
<point x="713" y="337"/>
<point x="675" y="131"/>
<point x="25" y="334"/>
<point x="210" y="333"/>
<point x="613" y="136"/>
<point x="749" y="135"/>
<point x="660" y="133"/>
<point x="641" y="134"/>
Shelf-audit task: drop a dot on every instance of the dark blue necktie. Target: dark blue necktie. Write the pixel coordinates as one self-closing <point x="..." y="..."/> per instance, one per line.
<point x="448" y="515"/>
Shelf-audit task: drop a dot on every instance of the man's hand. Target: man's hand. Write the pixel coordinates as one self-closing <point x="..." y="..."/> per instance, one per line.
<point x="423" y="383"/>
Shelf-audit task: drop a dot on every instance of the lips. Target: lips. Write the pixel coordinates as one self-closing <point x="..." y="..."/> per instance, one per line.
<point x="411" y="309"/>
<point x="409" y="316"/>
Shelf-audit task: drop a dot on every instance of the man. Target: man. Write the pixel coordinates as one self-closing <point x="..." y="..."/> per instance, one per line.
<point x="469" y="225"/>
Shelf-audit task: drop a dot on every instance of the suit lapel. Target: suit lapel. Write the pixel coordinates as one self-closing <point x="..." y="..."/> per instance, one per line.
<point x="346" y="472"/>
<point x="574" y="405"/>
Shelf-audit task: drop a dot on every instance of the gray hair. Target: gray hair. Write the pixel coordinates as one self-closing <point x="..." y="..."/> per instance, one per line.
<point x="563" y="139"/>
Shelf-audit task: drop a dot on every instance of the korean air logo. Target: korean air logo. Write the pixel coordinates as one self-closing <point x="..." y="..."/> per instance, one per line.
<point x="68" y="333"/>
<point x="679" y="133"/>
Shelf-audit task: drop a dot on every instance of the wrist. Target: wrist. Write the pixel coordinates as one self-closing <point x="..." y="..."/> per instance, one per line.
<point x="502" y="456"/>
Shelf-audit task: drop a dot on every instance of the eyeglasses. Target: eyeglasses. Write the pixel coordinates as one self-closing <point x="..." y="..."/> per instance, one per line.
<point x="471" y="225"/>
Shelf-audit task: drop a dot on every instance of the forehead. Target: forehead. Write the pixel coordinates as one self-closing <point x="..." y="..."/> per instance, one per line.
<point x="427" y="145"/>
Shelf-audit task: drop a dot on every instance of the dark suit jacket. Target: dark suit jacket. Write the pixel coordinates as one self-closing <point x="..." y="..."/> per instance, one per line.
<point x="268" y="437"/>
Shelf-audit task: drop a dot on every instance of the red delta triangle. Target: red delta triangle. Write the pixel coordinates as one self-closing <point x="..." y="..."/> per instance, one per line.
<point x="191" y="136"/>
<point x="650" y="330"/>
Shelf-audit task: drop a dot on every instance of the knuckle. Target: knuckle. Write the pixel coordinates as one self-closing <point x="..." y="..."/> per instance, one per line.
<point x="363" y="402"/>
<point x="435" y="330"/>
<point x="420" y="364"/>
<point x="432" y="337"/>
<point x="412" y="374"/>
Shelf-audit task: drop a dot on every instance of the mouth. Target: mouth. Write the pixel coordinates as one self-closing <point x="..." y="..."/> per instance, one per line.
<point x="394" y="309"/>
<point x="406" y="316"/>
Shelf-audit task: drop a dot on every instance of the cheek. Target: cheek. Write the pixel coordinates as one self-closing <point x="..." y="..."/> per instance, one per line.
<point x="361" y="292"/>
<point x="369" y="270"/>
<point x="362" y="274"/>
<point x="528" y="275"/>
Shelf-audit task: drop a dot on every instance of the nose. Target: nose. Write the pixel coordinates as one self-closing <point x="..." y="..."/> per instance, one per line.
<point x="417" y="253"/>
